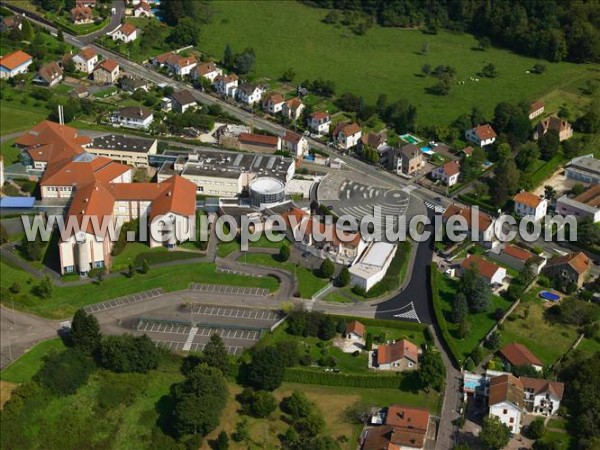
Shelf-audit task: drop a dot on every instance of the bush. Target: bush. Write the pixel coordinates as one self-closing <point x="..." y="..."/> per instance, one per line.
<point x="65" y="372"/>
<point x="304" y="376"/>
<point x="128" y="353"/>
<point x="258" y="404"/>
<point x="265" y="371"/>
<point x="327" y="269"/>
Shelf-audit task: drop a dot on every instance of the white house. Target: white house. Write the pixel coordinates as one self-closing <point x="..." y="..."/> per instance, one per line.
<point x="181" y="101"/>
<point x="587" y="204"/>
<point x="355" y="331"/>
<point x="319" y="122"/>
<point x="519" y="355"/>
<point x="133" y="117"/>
<point x="373" y="264"/>
<point x="295" y="144"/>
<point x="207" y="70"/>
<point x="536" y="109"/>
<point x="125" y="33"/>
<point x="493" y="273"/>
<point x="49" y="75"/>
<point x="249" y="93"/>
<point x="226" y="85"/>
<point x="273" y="103"/>
<point x="14" y="64"/>
<point x="292" y="109"/>
<point x="347" y="135"/>
<point x="542" y="397"/>
<point x="142" y="9"/>
<point x="480" y="225"/>
<point x="448" y="173"/>
<point x="530" y="205"/>
<point x="506" y="401"/>
<point x="482" y="135"/>
<point x="86" y="60"/>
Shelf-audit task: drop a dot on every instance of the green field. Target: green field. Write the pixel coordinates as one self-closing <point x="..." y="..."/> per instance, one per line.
<point x="308" y="283"/>
<point x="385" y="60"/>
<point x="24" y="368"/>
<point x="226" y="248"/>
<point x="15" y="118"/>
<point x="66" y="300"/>
<point x="480" y="323"/>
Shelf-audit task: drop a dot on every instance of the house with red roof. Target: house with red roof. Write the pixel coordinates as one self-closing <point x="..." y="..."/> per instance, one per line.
<point x="542" y="397"/>
<point x="517" y="258"/>
<point x="142" y="9"/>
<point x="260" y="143"/>
<point x="506" y="401"/>
<point x="479" y="224"/>
<point x="571" y="268"/>
<point x="536" y="109"/>
<point x="530" y="205"/>
<point x="447" y="173"/>
<point x="273" y="103"/>
<point x="295" y="143"/>
<point x="481" y="135"/>
<point x="226" y="85"/>
<point x="175" y="63"/>
<point x="493" y="273"/>
<point x="319" y="122"/>
<point x="398" y="356"/>
<point x="49" y="75"/>
<point x="562" y="127"/>
<point x="355" y="331"/>
<point x="107" y="72"/>
<point x="292" y="109"/>
<point x="14" y="64"/>
<point x="86" y="60"/>
<point x="81" y="15"/>
<point x="405" y="428"/>
<point x="207" y="70"/>
<point x="519" y="355"/>
<point x="125" y="33"/>
<point x="347" y="135"/>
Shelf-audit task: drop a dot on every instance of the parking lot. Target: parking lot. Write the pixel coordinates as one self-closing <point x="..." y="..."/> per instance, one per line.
<point x="123" y="301"/>
<point x="223" y="289"/>
<point x="240" y="328"/>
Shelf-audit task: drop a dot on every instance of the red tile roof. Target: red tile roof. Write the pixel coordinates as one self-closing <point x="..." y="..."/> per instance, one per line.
<point x="274" y="98"/>
<point x="258" y="139"/>
<point x="540" y="386"/>
<point x="49" y="141"/>
<point x="484" y="132"/>
<point x="468" y="150"/>
<point x="348" y="129"/>
<point x="292" y="137"/>
<point x="506" y="388"/>
<point x="451" y="168"/>
<point x="578" y="261"/>
<point x="536" y="106"/>
<point x="528" y="199"/>
<point x="591" y="197"/>
<point x="319" y="115"/>
<point x="398" y="350"/>
<point x="128" y="29"/>
<point x="407" y="418"/>
<point x="205" y="68"/>
<point x="517" y="252"/>
<point x="485" y="268"/>
<point x="518" y="355"/>
<point x="485" y="221"/>
<point x="355" y="327"/>
<point x="108" y="64"/>
<point x="14" y="60"/>
<point x="87" y="53"/>
<point x="294" y="103"/>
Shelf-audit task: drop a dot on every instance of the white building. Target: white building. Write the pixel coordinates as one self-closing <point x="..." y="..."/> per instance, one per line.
<point x="347" y="135"/>
<point x="249" y="93"/>
<point x="226" y="85"/>
<point x="542" y="397"/>
<point x="14" y="64"/>
<point x="129" y="150"/>
<point x="585" y="169"/>
<point x="273" y="103"/>
<point x="319" y="122"/>
<point x="295" y="144"/>
<point x="136" y="117"/>
<point x="506" y="401"/>
<point x="372" y="266"/>
<point x="583" y="206"/>
<point x="207" y="70"/>
<point x="493" y="273"/>
<point x="448" y="173"/>
<point x="482" y="135"/>
<point x="86" y="60"/>
<point x="530" y="205"/>
<point x="125" y="33"/>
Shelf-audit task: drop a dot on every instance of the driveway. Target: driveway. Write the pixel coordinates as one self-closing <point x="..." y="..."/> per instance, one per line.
<point x="115" y="21"/>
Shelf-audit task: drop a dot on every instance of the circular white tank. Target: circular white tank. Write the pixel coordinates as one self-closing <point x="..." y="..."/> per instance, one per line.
<point x="266" y="191"/>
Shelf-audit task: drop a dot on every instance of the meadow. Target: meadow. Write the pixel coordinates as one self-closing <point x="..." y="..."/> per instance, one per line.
<point x="384" y="60"/>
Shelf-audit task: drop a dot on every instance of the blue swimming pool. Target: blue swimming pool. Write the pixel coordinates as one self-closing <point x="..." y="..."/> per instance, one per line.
<point x="551" y="296"/>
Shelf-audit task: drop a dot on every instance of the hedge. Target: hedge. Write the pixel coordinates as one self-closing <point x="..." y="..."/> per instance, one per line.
<point x="164" y="257"/>
<point x="473" y="201"/>
<point x="439" y="316"/>
<point x="303" y="376"/>
<point x="545" y="170"/>
<point x="384" y="323"/>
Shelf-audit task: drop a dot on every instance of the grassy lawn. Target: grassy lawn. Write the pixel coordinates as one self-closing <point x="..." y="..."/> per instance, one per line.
<point x="65" y="300"/>
<point x="226" y="248"/>
<point x="480" y="323"/>
<point x="535" y="332"/>
<point x="346" y="362"/>
<point x="9" y="152"/>
<point x="129" y="254"/>
<point x="15" y="118"/>
<point x="24" y="368"/>
<point x="331" y="52"/>
<point x="336" y="296"/>
<point x="308" y="283"/>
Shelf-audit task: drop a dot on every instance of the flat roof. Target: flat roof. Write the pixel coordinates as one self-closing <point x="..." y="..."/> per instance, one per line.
<point x="123" y="143"/>
<point x="267" y="185"/>
<point x="17" y="202"/>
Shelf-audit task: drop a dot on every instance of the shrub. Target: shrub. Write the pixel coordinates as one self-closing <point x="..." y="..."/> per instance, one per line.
<point x="128" y="353"/>
<point x="63" y="373"/>
<point x="327" y="269"/>
<point x="259" y="404"/>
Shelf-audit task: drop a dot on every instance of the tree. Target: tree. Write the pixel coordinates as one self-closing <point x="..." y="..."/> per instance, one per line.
<point x="60" y="36"/>
<point x="185" y="33"/>
<point x="344" y="277"/>
<point x="44" y="288"/>
<point x="536" y="429"/>
<point x="65" y="372"/>
<point x="494" y="434"/>
<point x="432" y="371"/>
<point x="228" y="57"/>
<point x="241" y="432"/>
<point x="243" y="63"/>
<point x="483" y="43"/>
<point x="297" y="405"/>
<point x="288" y="75"/>
<point x="588" y="232"/>
<point x="549" y="144"/>
<point x="15" y="287"/>
<point x="493" y="341"/>
<point x="222" y="441"/>
<point x="284" y="252"/>
<point x="27" y="33"/>
<point x="489" y="71"/>
<point x="215" y="354"/>
<point x="265" y="371"/>
<point x="289" y="351"/>
<point x="127" y="353"/>
<point x="85" y="332"/>
<point x="32" y="250"/>
<point x="460" y="308"/>
<point x="539" y="68"/>
<point x="198" y="401"/>
<point x="369" y="342"/>
<point x="130" y="270"/>
<point x="145" y="266"/>
<point x="476" y="289"/>
<point x="258" y="404"/>
<point x="327" y="328"/>
<point x="589" y="122"/>
<point x="464" y="328"/>
<point x="327" y="268"/>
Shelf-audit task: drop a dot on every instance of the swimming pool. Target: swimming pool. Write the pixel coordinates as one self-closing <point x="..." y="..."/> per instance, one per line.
<point x="410" y="138"/>
<point x="551" y="296"/>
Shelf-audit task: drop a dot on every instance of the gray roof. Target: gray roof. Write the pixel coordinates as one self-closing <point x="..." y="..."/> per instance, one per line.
<point x="123" y="143"/>
<point x="134" y="112"/>
<point x="184" y="97"/>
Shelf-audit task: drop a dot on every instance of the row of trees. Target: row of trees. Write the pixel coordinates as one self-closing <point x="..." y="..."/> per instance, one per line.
<point x="551" y="29"/>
